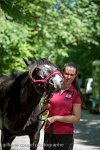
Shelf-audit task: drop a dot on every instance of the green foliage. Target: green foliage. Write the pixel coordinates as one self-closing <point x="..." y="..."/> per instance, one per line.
<point x="82" y="34"/>
<point x="21" y="32"/>
<point x="13" y="43"/>
<point x="87" y="33"/>
<point x="96" y="80"/>
<point x="59" y="29"/>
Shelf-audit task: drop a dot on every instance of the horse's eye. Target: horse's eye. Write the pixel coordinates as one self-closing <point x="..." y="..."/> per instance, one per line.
<point x="37" y="69"/>
<point x="37" y="73"/>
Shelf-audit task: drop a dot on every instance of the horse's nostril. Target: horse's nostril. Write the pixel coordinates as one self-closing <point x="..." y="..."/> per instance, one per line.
<point x="61" y="83"/>
<point x="51" y="82"/>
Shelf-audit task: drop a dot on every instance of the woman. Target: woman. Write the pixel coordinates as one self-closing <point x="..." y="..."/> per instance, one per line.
<point x="64" y="111"/>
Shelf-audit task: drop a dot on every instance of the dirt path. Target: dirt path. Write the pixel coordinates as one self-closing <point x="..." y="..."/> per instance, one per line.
<point x="87" y="132"/>
<point x="87" y="135"/>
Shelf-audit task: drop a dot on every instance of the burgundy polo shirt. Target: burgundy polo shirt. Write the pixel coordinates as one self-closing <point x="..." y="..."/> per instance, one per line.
<point x="61" y="104"/>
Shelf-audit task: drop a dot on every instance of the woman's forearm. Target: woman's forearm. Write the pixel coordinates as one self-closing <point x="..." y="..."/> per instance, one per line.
<point x="74" y="118"/>
<point x="67" y="119"/>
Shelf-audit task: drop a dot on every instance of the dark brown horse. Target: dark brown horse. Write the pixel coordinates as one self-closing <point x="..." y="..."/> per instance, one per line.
<point x="20" y="95"/>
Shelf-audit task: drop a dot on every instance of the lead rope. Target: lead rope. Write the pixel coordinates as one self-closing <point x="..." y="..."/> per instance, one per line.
<point x="51" y="129"/>
<point x="38" y="117"/>
<point x="51" y="136"/>
<point x="47" y="98"/>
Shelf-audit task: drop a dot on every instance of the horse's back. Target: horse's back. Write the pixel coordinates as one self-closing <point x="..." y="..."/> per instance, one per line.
<point x="3" y="78"/>
<point x="6" y="82"/>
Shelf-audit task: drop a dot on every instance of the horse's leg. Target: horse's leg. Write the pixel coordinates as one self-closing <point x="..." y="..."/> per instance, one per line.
<point x="34" y="139"/>
<point x="6" y="139"/>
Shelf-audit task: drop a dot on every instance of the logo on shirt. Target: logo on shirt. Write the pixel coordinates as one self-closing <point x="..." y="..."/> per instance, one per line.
<point x="68" y="96"/>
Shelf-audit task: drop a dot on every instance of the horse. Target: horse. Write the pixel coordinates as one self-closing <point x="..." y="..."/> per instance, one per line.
<point x="20" y="96"/>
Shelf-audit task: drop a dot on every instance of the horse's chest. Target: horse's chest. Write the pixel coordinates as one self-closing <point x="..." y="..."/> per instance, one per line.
<point x="32" y="118"/>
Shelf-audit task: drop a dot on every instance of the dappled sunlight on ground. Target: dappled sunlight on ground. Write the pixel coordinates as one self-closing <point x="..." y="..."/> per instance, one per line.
<point x="87" y="131"/>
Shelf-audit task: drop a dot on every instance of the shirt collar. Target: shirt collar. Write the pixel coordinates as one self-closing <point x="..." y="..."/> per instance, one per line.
<point x="71" y="89"/>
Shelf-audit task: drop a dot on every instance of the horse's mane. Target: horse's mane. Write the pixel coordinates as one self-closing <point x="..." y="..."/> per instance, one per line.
<point x="43" y="61"/>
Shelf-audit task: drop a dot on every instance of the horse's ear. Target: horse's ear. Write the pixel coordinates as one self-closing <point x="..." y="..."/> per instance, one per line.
<point x="49" y="58"/>
<point x="27" y="62"/>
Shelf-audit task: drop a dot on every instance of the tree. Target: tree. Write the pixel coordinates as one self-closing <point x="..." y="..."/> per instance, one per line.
<point x="21" y="32"/>
<point x="59" y="29"/>
<point x="82" y="34"/>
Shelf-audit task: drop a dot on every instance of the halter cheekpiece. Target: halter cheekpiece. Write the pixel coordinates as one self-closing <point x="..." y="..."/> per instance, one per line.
<point x="42" y="82"/>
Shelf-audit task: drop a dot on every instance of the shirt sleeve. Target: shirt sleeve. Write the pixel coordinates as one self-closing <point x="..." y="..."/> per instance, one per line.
<point x="78" y="99"/>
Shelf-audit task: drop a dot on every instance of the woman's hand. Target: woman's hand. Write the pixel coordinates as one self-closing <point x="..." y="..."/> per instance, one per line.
<point x="51" y="120"/>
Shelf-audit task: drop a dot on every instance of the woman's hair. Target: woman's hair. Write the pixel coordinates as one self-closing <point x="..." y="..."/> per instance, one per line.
<point x="75" y="82"/>
<point x="71" y="64"/>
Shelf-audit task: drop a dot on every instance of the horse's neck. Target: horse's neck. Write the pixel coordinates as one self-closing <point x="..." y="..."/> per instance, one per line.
<point x="5" y="87"/>
<point x="23" y="97"/>
<point x="21" y="101"/>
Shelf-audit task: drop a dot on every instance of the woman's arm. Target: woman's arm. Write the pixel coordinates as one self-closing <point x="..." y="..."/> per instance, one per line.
<point x="74" y="118"/>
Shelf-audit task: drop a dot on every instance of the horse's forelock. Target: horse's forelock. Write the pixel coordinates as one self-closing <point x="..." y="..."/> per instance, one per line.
<point x="41" y="62"/>
<point x="44" y="61"/>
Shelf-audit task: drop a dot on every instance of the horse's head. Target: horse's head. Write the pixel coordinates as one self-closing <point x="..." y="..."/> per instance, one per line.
<point x="44" y="75"/>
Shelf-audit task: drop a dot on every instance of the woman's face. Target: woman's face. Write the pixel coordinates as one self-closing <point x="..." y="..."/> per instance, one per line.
<point x="69" y="74"/>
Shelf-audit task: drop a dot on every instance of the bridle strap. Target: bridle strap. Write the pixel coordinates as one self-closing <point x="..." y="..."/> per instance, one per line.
<point x="42" y="82"/>
<point x="47" y="78"/>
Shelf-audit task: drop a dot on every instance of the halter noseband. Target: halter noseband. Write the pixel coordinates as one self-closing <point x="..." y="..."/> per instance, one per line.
<point x="42" y="82"/>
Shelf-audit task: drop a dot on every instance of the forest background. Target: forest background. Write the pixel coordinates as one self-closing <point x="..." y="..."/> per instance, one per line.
<point x="62" y="30"/>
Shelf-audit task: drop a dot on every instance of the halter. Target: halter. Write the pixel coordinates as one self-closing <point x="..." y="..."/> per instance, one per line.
<point x="42" y="82"/>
